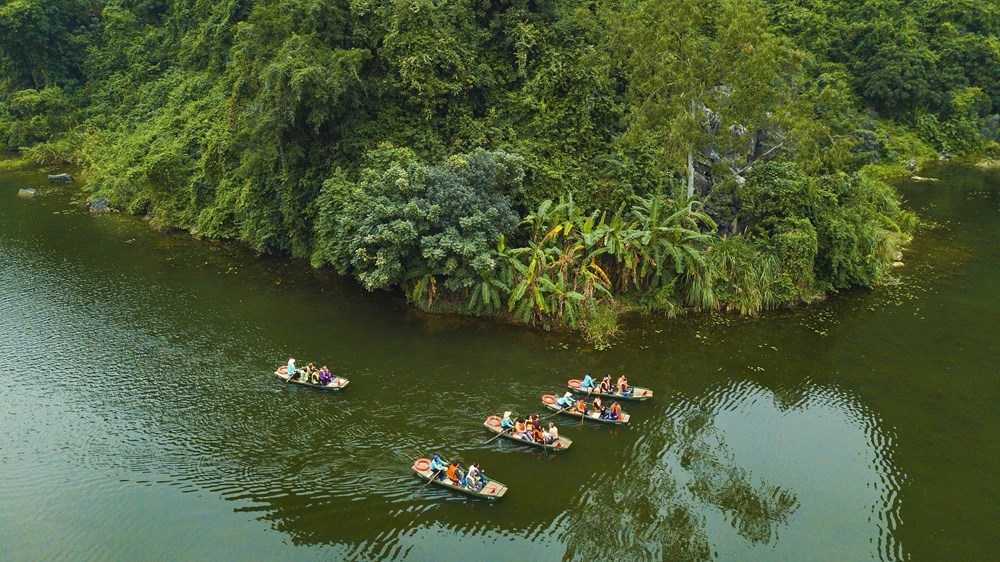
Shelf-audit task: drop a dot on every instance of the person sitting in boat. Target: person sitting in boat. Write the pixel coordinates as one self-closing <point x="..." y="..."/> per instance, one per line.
<point x="532" y="427"/>
<point x="292" y="373"/>
<point x="537" y="435"/>
<point x="606" y="385"/>
<point x="521" y="429"/>
<point x="598" y="405"/>
<point x="312" y="373"/>
<point x="566" y="402"/>
<point x="438" y="466"/>
<point x="581" y="406"/>
<point x="476" y="480"/>
<point x="623" y="388"/>
<point x="588" y="383"/>
<point x="506" y="424"/>
<point x="455" y="473"/>
<point x="615" y="411"/>
<point x="324" y="375"/>
<point x="553" y="434"/>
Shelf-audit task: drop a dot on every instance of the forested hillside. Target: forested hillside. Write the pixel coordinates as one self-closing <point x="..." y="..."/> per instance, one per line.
<point x="550" y="161"/>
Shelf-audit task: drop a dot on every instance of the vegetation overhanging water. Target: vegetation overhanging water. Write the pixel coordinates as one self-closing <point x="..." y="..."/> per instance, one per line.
<point x="139" y="407"/>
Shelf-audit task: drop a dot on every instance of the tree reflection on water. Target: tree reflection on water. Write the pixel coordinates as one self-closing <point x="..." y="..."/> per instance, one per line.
<point x="658" y="504"/>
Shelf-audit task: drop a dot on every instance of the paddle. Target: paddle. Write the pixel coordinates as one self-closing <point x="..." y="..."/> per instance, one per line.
<point x="433" y="478"/>
<point x="561" y="409"/>
<point x="435" y="475"/>
<point x="502" y="431"/>
<point x="290" y="375"/>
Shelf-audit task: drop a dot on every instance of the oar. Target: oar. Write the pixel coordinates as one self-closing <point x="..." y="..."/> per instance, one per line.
<point x="290" y="375"/>
<point x="433" y="478"/>
<point x="561" y="409"/>
<point x="502" y="431"/>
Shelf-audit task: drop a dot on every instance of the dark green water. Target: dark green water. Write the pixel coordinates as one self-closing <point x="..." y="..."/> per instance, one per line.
<point x="140" y="418"/>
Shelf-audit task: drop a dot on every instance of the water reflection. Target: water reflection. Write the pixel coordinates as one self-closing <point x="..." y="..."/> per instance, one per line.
<point x="713" y="480"/>
<point x="145" y="370"/>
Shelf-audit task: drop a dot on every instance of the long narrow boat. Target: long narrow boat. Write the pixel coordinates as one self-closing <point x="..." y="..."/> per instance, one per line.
<point x="637" y="394"/>
<point x="336" y="384"/>
<point x="492" y="423"/>
<point x="491" y="491"/>
<point x="549" y="401"/>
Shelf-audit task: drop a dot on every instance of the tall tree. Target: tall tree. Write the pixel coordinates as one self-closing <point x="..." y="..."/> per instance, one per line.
<point x="695" y="68"/>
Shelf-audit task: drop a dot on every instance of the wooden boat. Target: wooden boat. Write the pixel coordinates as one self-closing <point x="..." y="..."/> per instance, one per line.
<point x="492" y="423"/>
<point x="491" y="491"/>
<point x="336" y="384"/>
<point x="549" y="401"/>
<point x="638" y="393"/>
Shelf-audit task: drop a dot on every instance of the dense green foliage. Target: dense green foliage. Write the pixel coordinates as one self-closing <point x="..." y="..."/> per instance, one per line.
<point x="547" y="161"/>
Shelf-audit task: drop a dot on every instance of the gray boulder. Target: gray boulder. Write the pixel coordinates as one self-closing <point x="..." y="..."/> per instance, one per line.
<point x="26" y="193"/>
<point x="101" y="205"/>
<point x="60" y="177"/>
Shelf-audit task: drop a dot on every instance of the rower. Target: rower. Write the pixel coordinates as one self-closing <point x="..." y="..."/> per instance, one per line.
<point x="506" y="424"/>
<point x="566" y="402"/>
<point x="438" y="467"/>
<point x="588" y="383"/>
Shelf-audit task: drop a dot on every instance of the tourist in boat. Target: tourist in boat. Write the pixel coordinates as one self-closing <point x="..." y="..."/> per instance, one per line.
<point x="324" y="375"/>
<point x="588" y="383"/>
<point x="566" y="402"/>
<point x="537" y="435"/>
<point x="615" y="411"/>
<point x="521" y="430"/>
<point x="581" y="406"/>
<point x="506" y="424"/>
<point x="476" y="480"/>
<point x="598" y="405"/>
<point x="623" y="388"/>
<point x="552" y="434"/>
<point x="438" y="467"/>
<point x="292" y="373"/>
<point x="312" y="373"/>
<point x="455" y="473"/>
<point x="606" y="385"/>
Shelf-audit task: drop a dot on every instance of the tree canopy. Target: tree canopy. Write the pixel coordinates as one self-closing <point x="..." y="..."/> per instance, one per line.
<point x="552" y="162"/>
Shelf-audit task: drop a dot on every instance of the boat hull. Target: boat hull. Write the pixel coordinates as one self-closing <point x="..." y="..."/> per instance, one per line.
<point x="549" y="401"/>
<point x="638" y="393"/>
<point x="491" y="491"/>
<point x="492" y="423"/>
<point x="338" y="383"/>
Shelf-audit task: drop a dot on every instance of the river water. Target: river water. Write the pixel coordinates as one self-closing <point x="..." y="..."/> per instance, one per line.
<point x="139" y="417"/>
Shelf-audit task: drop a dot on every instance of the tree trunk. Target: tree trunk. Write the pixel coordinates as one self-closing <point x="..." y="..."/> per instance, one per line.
<point x="690" y="174"/>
